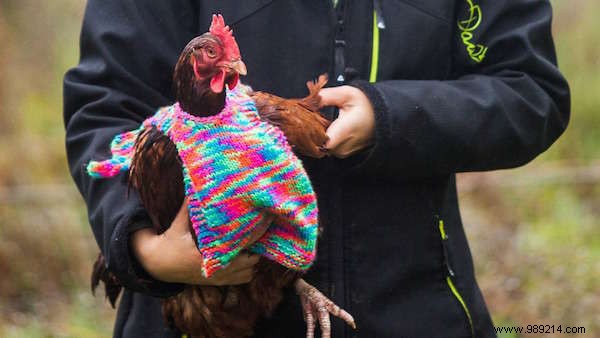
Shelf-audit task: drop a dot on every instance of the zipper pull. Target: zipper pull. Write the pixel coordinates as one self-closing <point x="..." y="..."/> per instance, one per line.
<point x="340" y="61"/>
<point x="379" y="14"/>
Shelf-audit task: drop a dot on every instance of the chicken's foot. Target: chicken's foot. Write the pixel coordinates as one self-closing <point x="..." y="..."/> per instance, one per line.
<point x="316" y="305"/>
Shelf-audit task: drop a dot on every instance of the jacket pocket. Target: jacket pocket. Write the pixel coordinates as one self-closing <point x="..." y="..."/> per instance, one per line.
<point x="450" y="275"/>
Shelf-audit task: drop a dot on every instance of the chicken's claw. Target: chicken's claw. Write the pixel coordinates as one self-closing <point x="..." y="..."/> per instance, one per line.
<point x="315" y="304"/>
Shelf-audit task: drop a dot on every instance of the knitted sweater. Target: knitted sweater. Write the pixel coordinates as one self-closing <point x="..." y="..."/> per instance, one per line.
<point x="235" y="168"/>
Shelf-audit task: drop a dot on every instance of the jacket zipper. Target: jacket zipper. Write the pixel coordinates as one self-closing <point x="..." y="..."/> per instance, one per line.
<point x="339" y="13"/>
<point x="451" y="274"/>
<point x="340" y="42"/>
<point x="336" y="232"/>
<point x="378" y="24"/>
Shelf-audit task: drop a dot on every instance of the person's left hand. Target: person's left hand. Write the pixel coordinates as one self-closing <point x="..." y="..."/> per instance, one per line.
<point x="174" y="257"/>
<point x="354" y="129"/>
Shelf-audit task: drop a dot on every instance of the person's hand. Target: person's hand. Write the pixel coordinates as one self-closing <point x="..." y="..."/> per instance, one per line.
<point x="354" y="129"/>
<point x="174" y="257"/>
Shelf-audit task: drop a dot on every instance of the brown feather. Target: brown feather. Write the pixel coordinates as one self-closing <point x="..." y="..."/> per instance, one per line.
<point x="112" y="286"/>
<point x="299" y="119"/>
<point x="156" y="173"/>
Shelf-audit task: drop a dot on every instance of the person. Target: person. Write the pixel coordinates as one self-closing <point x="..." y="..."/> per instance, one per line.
<point x="424" y="90"/>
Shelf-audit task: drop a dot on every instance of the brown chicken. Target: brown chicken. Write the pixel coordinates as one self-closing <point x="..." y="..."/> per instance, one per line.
<point x="206" y="65"/>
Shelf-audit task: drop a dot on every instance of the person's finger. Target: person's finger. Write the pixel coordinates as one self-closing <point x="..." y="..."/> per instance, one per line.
<point x="243" y="261"/>
<point x="241" y="270"/>
<point x="180" y="223"/>
<point x="268" y="219"/>
<point x="248" y="260"/>
<point x="261" y="228"/>
<point x="237" y="272"/>
<point x="333" y="96"/>
<point x="337" y="133"/>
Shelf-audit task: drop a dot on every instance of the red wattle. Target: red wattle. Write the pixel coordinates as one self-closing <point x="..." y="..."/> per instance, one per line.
<point x="233" y="81"/>
<point x="217" y="82"/>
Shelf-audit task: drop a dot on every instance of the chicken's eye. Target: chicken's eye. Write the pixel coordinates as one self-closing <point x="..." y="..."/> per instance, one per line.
<point x="211" y="52"/>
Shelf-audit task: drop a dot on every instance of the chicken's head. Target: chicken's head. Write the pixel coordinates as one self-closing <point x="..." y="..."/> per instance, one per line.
<point x="212" y="59"/>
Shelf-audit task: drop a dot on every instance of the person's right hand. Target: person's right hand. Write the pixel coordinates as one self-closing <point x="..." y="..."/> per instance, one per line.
<point x="174" y="257"/>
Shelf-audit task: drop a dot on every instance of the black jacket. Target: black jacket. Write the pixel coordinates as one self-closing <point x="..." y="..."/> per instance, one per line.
<point x="458" y="88"/>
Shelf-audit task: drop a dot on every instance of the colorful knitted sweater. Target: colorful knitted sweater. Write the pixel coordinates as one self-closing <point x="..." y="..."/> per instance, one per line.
<point x="235" y="168"/>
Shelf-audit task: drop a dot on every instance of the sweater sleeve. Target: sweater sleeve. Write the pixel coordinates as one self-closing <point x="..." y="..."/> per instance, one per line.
<point x="498" y="111"/>
<point x="127" y="51"/>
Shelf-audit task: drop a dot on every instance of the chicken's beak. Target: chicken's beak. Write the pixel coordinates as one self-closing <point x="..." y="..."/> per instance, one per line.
<point x="239" y="67"/>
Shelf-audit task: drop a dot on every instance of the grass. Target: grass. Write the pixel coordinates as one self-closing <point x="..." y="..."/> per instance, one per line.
<point x="79" y="315"/>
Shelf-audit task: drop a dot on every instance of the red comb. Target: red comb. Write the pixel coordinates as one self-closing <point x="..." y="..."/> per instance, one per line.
<point x="225" y="34"/>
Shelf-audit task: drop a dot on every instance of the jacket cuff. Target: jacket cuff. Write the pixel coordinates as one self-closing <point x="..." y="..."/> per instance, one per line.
<point x="125" y="265"/>
<point x="371" y="160"/>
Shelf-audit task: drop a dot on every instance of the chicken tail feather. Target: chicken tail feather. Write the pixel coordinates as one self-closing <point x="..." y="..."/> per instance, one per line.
<point x="313" y="100"/>
<point x="112" y="286"/>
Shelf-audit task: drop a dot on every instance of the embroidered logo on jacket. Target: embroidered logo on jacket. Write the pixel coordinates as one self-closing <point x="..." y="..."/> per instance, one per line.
<point x="467" y="27"/>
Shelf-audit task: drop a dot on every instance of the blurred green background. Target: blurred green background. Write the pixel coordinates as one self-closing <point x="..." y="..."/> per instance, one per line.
<point x="534" y="231"/>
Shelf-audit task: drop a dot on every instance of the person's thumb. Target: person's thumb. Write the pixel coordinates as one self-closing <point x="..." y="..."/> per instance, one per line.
<point x="333" y="96"/>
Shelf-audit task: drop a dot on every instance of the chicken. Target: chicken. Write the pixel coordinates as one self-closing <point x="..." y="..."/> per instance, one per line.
<point x="208" y="64"/>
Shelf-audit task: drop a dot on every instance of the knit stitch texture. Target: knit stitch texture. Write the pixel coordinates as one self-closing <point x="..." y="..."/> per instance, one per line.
<point x="235" y="168"/>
